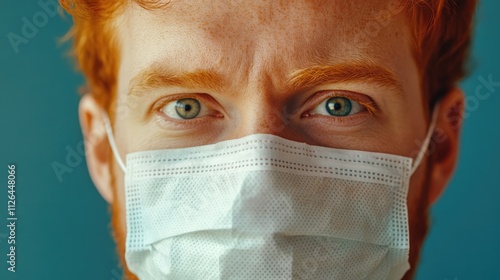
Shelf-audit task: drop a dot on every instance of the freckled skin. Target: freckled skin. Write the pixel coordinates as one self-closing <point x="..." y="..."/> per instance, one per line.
<point x="256" y="45"/>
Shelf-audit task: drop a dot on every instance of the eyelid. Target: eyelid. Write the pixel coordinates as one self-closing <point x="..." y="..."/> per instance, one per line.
<point x="204" y="99"/>
<point x="321" y="96"/>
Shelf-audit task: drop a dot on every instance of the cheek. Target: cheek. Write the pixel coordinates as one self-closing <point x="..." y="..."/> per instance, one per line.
<point x="417" y="193"/>
<point x="119" y="212"/>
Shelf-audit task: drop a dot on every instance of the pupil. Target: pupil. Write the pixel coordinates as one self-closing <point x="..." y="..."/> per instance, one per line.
<point x="187" y="108"/>
<point x="338" y="106"/>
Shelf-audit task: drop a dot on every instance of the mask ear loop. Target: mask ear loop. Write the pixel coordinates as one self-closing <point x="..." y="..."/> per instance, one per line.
<point x="427" y="140"/>
<point x="420" y="156"/>
<point x="112" y="143"/>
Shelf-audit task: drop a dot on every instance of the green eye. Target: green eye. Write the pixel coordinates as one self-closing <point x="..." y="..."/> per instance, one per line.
<point x="187" y="108"/>
<point x="338" y="106"/>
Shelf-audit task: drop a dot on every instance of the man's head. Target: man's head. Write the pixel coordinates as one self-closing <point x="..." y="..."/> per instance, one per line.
<point x="247" y="67"/>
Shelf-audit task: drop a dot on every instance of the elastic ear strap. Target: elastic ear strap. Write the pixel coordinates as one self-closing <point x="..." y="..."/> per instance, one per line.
<point x="427" y="140"/>
<point x="112" y="143"/>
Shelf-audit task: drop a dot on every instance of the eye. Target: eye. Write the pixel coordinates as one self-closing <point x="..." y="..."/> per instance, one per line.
<point x="338" y="106"/>
<point x="186" y="108"/>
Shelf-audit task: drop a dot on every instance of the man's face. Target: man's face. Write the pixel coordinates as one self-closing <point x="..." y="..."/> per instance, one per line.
<point x="268" y="67"/>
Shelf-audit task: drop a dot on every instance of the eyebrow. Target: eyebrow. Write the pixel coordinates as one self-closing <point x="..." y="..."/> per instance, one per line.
<point x="157" y="77"/>
<point x="316" y="75"/>
<point x="355" y="72"/>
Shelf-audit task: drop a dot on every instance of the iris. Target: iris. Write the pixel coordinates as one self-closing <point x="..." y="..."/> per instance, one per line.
<point x="338" y="106"/>
<point x="187" y="108"/>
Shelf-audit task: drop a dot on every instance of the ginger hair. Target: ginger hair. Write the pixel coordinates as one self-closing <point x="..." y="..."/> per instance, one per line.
<point x="441" y="33"/>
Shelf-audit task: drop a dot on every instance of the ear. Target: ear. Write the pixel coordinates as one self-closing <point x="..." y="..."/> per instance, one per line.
<point x="97" y="149"/>
<point x="445" y="140"/>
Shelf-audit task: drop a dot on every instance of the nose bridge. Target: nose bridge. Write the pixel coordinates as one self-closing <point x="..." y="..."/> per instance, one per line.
<point x="262" y="115"/>
<point x="262" y="106"/>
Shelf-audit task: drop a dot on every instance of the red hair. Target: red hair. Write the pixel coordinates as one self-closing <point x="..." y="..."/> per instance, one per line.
<point x="441" y="31"/>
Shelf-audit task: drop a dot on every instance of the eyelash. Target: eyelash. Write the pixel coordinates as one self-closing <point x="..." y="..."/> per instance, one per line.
<point x="205" y="99"/>
<point x="320" y="97"/>
<point x="312" y="103"/>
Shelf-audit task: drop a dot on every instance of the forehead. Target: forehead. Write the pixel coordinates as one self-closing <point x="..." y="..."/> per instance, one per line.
<point x="246" y="38"/>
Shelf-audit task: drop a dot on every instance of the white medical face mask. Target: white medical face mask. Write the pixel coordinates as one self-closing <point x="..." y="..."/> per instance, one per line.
<point x="263" y="207"/>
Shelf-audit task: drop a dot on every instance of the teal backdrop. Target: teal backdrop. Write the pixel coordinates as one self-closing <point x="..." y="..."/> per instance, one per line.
<point x="63" y="226"/>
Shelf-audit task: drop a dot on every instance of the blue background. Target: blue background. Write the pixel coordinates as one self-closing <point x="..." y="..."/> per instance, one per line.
<point x="63" y="226"/>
